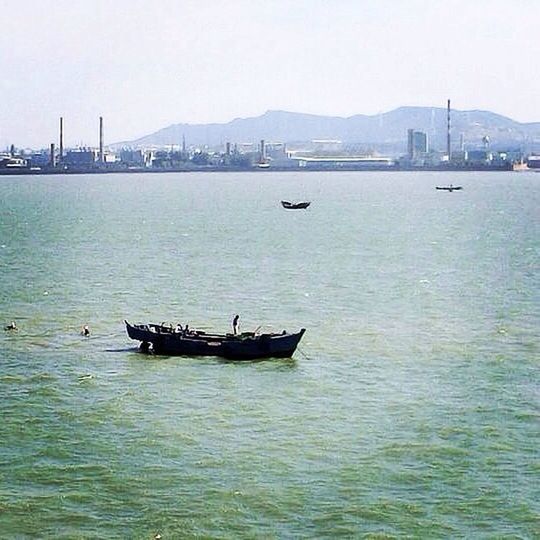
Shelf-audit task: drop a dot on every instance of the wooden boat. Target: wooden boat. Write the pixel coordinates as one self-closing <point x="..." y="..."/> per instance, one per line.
<point x="449" y="188"/>
<point x="246" y="346"/>
<point x="295" y="206"/>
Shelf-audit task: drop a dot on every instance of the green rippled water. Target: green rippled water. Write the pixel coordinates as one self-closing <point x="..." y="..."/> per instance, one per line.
<point x="410" y="410"/>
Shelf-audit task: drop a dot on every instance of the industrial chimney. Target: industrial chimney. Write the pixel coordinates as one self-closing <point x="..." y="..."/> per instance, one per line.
<point x="101" y="156"/>
<point x="448" y="132"/>
<point x="53" y="160"/>
<point x="61" y="155"/>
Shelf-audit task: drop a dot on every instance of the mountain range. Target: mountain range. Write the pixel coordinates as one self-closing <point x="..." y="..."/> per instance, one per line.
<point x="387" y="129"/>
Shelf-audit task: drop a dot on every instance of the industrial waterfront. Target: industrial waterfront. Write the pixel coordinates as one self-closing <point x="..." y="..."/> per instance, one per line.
<point x="420" y="153"/>
<point x="410" y="409"/>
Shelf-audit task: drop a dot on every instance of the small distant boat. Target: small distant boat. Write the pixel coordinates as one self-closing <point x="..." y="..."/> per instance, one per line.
<point x="449" y="188"/>
<point x="295" y="206"/>
<point x="245" y="346"/>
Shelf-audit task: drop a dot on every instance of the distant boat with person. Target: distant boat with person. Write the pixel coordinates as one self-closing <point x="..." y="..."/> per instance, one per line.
<point x="295" y="206"/>
<point x="449" y="188"/>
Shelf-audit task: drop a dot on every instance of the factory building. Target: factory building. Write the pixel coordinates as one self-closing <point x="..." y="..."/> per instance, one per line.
<point x="417" y="144"/>
<point x="132" y="158"/>
<point x="85" y="157"/>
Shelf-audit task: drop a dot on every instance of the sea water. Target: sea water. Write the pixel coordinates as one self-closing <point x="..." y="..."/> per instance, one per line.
<point x="411" y="407"/>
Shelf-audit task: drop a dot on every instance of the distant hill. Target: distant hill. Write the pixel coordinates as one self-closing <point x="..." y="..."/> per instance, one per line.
<point x="389" y="129"/>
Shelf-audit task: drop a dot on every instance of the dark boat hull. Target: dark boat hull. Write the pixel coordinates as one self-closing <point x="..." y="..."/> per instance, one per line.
<point x="295" y="206"/>
<point x="448" y="188"/>
<point x="243" y="347"/>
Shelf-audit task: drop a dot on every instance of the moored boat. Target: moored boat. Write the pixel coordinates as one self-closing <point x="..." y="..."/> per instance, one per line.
<point x="168" y="340"/>
<point x="295" y="206"/>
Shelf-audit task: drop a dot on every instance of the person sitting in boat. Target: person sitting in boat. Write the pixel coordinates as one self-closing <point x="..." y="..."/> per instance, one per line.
<point x="11" y="326"/>
<point x="85" y="331"/>
<point x="235" y="324"/>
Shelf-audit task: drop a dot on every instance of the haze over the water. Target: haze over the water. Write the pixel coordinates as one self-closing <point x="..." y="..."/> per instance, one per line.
<point x="144" y="65"/>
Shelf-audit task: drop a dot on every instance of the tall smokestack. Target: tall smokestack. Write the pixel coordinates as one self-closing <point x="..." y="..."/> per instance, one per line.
<point x="101" y="156"/>
<point x="448" y="132"/>
<point x="61" y="140"/>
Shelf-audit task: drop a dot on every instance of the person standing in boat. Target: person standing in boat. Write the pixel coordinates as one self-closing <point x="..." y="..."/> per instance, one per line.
<point x="235" y="324"/>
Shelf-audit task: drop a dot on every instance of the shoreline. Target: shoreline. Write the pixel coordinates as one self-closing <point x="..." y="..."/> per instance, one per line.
<point x="42" y="172"/>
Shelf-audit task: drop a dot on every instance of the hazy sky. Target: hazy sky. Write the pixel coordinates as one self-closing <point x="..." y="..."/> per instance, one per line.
<point x="146" y="64"/>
